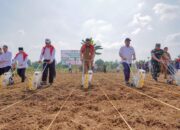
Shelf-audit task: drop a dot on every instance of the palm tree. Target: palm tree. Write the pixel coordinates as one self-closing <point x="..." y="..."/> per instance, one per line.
<point x="96" y="47"/>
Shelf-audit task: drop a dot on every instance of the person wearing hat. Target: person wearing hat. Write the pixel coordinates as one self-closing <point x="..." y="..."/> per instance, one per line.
<point x="21" y="60"/>
<point x="87" y="54"/>
<point x="6" y="59"/>
<point x="127" y="54"/>
<point x="156" y="61"/>
<point x="48" y="57"/>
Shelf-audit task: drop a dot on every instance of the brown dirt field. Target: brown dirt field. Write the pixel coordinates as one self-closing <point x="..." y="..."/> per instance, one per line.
<point x="91" y="110"/>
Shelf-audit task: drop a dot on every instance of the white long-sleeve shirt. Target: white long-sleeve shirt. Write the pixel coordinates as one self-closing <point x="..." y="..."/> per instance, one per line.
<point x="1" y="64"/>
<point x="127" y="52"/>
<point x="6" y="58"/>
<point x="47" y="55"/>
<point x="21" y="62"/>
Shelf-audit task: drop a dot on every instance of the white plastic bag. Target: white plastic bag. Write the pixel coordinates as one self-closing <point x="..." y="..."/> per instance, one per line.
<point x="90" y="72"/>
<point x="139" y="78"/>
<point x="37" y="77"/>
<point x="177" y="77"/>
<point x="7" y="79"/>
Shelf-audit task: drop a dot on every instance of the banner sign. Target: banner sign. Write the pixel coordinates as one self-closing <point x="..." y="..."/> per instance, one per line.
<point x="70" y="57"/>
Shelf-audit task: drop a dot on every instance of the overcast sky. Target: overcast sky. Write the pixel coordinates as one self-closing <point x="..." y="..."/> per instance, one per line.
<point x="66" y="22"/>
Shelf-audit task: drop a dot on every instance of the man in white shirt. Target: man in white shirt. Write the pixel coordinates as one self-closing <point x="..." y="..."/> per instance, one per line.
<point x="127" y="54"/>
<point x="6" y="59"/>
<point x="21" y="59"/>
<point x="48" y="57"/>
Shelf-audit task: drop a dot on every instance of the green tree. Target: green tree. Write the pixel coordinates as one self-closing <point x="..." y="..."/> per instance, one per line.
<point x="100" y="64"/>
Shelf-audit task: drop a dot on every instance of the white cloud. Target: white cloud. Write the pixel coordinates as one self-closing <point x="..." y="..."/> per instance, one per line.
<point x="149" y="28"/>
<point x="97" y="27"/>
<point x="100" y="30"/>
<point x="68" y="23"/>
<point x="173" y="42"/>
<point x="136" y="31"/>
<point x="173" y="39"/>
<point x="21" y="32"/>
<point x="141" y="20"/>
<point x="166" y="11"/>
<point x="141" y="4"/>
<point x="112" y="45"/>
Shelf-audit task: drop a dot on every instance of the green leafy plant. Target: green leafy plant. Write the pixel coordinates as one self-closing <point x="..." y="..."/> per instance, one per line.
<point x="96" y="47"/>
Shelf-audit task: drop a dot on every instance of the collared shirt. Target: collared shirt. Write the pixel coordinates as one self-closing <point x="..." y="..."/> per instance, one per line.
<point x="127" y="52"/>
<point x="46" y="54"/>
<point x="6" y="58"/>
<point x="22" y="63"/>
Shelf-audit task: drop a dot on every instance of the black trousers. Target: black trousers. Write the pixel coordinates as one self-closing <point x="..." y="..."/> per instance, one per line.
<point x="4" y="70"/>
<point x="156" y="69"/>
<point x="1" y="71"/>
<point x="48" y="68"/>
<point x="21" y="73"/>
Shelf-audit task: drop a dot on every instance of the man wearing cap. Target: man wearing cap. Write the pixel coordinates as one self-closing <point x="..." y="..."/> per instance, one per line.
<point x="156" y="59"/>
<point x="6" y="59"/>
<point x="21" y="60"/>
<point x="87" y="54"/>
<point x="48" y="57"/>
<point x="127" y="54"/>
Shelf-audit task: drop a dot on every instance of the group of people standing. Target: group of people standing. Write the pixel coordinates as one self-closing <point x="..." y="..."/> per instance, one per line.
<point x="160" y="60"/>
<point x="8" y="63"/>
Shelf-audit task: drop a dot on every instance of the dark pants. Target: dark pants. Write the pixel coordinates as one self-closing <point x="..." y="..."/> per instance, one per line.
<point x="177" y="65"/>
<point x="156" y="69"/>
<point x="1" y="71"/>
<point x="127" y="71"/>
<point x="21" y="73"/>
<point x="48" y="68"/>
<point x="5" y="69"/>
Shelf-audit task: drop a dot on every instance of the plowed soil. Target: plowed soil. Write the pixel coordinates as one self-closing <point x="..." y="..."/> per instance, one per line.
<point x="106" y="106"/>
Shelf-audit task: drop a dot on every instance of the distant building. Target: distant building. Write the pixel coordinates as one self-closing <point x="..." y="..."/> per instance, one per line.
<point x="70" y="57"/>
